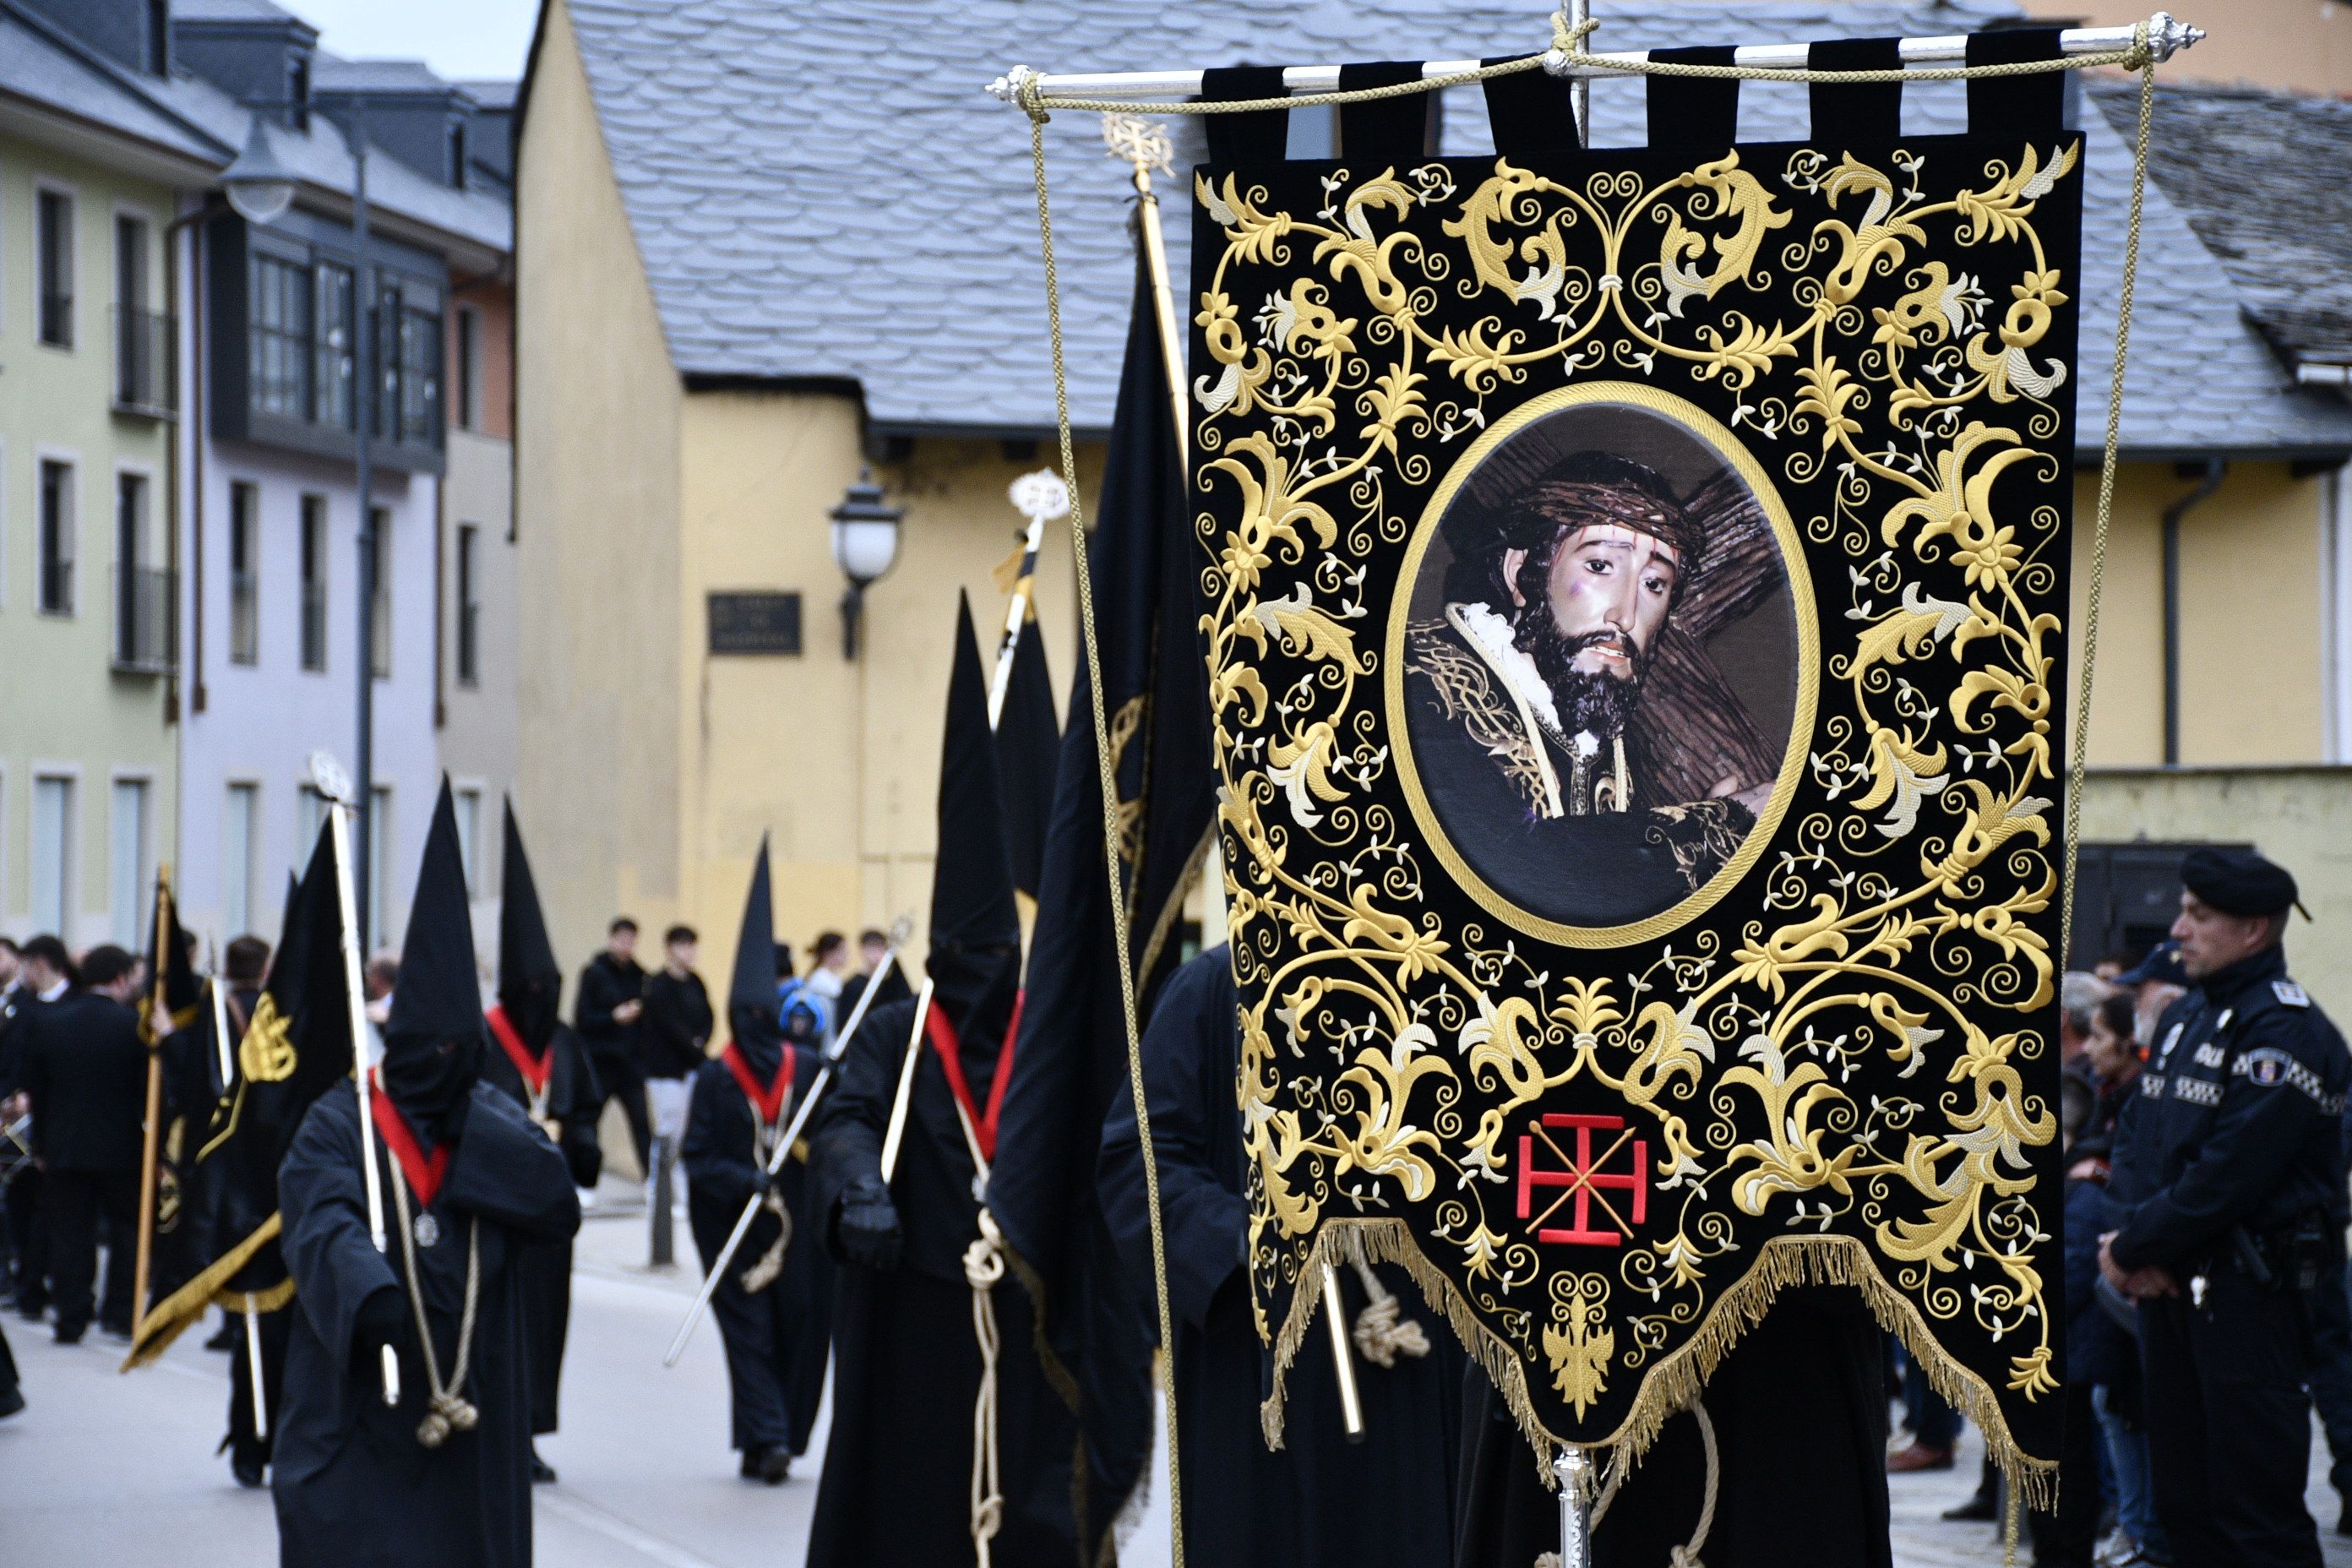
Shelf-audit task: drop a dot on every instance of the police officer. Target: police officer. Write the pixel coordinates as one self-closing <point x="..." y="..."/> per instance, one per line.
<point x="2228" y="1203"/>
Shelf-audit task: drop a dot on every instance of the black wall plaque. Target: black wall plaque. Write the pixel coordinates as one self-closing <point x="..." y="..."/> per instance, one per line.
<point x="755" y="623"/>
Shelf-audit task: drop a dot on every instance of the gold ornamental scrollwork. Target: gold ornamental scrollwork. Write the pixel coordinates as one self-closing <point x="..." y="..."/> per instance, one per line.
<point x="1839" y="332"/>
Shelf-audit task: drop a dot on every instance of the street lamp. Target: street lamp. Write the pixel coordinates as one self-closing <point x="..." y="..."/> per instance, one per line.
<point x="864" y="546"/>
<point x="261" y="188"/>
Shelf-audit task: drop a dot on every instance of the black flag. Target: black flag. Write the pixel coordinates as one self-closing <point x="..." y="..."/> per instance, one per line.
<point x="172" y="1023"/>
<point x="1071" y="1058"/>
<point x="1028" y="747"/>
<point x="296" y="1046"/>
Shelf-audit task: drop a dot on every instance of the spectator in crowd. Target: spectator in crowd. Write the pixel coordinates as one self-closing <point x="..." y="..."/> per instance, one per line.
<point x="45" y="973"/>
<point x="871" y="946"/>
<point x="2109" y="1363"/>
<point x="377" y="983"/>
<point x="676" y="1041"/>
<point x="609" y="1016"/>
<point x="2156" y="982"/>
<point x="85" y="1071"/>
<point x="828" y="970"/>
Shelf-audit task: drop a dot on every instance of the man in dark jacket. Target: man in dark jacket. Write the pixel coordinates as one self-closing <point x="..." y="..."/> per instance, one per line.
<point x="773" y="1306"/>
<point x="84" y="1072"/>
<point x="609" y="1011"/>
<point x="469" y="1185"/>
<point x="675" y="1042"/>
<point x="544" y="1066"/>
<point x="1318" y="1501"/>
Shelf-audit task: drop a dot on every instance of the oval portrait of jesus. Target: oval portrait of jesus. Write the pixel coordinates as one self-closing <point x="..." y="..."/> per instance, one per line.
<point x="1596" y="662"/>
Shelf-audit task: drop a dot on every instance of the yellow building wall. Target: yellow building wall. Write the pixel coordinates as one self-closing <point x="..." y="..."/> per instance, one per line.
<point x="2251" y="681"/>
<point x="839" y="761"/>
<point x="597" y="541"/>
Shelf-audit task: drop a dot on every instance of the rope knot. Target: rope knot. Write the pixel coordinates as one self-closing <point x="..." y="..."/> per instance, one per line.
<point x="1383" y="1333"/>
<point x="1567" y="39"/>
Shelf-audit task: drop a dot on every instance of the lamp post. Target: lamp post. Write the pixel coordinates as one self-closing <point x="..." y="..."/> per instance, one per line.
<point x="864" y="546"/>
<point x="261" y="188"/>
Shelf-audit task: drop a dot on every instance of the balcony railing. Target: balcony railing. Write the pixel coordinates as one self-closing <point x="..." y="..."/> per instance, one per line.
<point x="146" y="612"/>
<point x="146" y="362"/>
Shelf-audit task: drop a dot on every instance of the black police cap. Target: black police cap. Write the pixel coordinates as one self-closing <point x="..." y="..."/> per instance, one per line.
<point x="2238" y="882"/>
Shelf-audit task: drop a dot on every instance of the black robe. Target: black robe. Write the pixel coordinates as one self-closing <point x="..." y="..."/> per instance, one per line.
<point x="1318" y="1499"/>
<point x="777" y="1338"/>
<point x="355" y="1487"/>
<point x="1799" y="1414"/>
<point x="898" y="1459"/>
<point x="543" y="1275"/>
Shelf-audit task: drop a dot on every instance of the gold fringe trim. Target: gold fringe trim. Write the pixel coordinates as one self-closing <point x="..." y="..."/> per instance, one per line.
<point x="184" y="1308"/>
<point x="1177" y="896"/>
<point x="1669" y="1386"/>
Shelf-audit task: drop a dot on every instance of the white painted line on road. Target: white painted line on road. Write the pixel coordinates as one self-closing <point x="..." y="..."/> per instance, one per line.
<point x="588" y="1516"/>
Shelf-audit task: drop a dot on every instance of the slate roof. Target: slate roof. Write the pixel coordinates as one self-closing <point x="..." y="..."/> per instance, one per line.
<point x="191" y="119"/>
<point x="2265" y="179"/>
<point x="821" y="192"/>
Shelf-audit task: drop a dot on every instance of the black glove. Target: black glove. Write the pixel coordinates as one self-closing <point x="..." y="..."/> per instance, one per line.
<point x="382" y="1320"/>
<point x="869" y="1224"/>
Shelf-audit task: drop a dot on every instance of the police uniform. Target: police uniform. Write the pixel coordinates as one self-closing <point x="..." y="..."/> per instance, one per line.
<point x="2229" y="1175"/>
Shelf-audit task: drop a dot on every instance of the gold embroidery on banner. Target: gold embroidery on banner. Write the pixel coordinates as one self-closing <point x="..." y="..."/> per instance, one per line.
<point x="1932" y="857"/>
<point x="1463" y="687"/>
<point x="265" y="1055"/>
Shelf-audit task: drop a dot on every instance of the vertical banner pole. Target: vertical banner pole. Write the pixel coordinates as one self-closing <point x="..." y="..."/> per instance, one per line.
<point x="339" y="825"/>
<point x="1573" y="1470"/>
<point x="149" y="1150"/>
<point x="253" y="1356"/>
<point x="1351" y="1406"/>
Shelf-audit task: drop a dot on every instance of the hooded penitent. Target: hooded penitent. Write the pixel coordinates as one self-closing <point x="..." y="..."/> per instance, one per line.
<point x="975" y="957"/>
<point x="531" y="986"/>
<point x="433" y="1043"/>
<point x="751" y="1013"/>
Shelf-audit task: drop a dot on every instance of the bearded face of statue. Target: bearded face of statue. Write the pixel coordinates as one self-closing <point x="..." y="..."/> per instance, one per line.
<point x="1589" y="613"/>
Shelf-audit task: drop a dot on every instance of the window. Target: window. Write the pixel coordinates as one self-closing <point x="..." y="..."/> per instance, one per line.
<point x="126" y="868"/>
<point x="380" y="597"/>
<point x="379" y="857"/>
<point x="54" y="593"/>
<point x="52" y="909"/>
<point x="142" y="344"/>
<point x="53" y="250"/>
<point x="385" y="350"/>
<point x="244" y="574"/>
<point x="338" y="338"/>
<point x="470" y="610"/>
<point x="468" y="803"/>
<point x="239" y="825"/>
<point x="142" y="594"/>
<point x="457" y="154"/>
<point x="469" y="341"/>
<point x="298" y="92"/>
<point x="309" y="816"/>
<point x="281" y="337"/>
<point x="314" y="582"/>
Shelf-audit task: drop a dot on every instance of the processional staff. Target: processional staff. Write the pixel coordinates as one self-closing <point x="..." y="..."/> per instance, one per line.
<point x="334" y="787"/>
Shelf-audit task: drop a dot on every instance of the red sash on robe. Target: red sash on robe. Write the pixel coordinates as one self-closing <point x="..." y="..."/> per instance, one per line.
<point x="942" y="1035"/>
<point x="424" y="1174"/>
<point x="767" y="1103"/>
<point x="535" y="1072"/>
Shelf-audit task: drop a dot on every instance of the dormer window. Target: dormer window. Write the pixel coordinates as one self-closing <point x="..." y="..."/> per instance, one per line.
<point x="298" y="92"/>
<point x="457" y="154"/>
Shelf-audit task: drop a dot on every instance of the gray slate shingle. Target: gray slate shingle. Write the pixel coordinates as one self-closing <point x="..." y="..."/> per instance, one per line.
<point x="822" y="191"/>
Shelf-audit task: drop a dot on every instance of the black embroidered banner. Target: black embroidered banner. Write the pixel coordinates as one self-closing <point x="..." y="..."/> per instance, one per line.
<point x="1632" y="596"/>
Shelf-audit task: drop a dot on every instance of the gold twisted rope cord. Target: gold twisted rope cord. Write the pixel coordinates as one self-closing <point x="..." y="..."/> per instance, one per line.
<point x="1107" y="782"/>
<point x="2136" y="58"/>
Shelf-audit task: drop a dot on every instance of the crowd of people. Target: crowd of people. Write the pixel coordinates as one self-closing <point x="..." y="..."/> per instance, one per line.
<point x="426" y="1216"/>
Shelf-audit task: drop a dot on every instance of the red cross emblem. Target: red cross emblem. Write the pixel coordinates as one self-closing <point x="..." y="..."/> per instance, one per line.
<point x="1581" y="1180"/>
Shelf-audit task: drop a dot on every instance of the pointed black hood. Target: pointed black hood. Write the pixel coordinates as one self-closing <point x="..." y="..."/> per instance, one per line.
<point x="433" y="1042"/>
<point x="975" y="959"/>
<point x="531" y="987"/>
<point x="752" y="1011"/>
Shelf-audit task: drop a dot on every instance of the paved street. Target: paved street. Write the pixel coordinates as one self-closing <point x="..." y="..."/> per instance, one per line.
<point x="105" y="1469"/>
